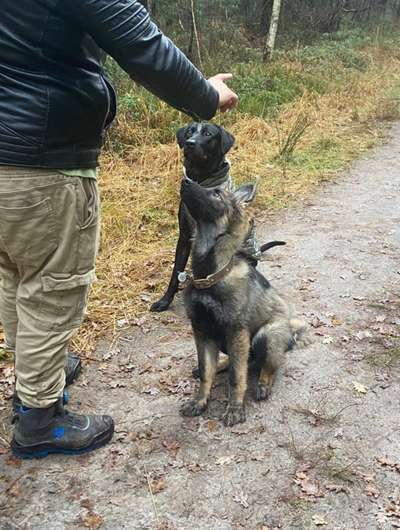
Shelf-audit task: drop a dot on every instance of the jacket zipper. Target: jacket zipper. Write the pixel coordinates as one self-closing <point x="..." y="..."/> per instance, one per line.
<point x="108" y="102"/>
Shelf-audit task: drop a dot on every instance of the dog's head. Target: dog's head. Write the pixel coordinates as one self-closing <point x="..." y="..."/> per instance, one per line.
<point x="204" y="144"/>
<point x="216" y="206"/>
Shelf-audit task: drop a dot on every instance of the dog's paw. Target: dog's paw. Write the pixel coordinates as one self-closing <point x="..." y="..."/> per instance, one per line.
<point x="262" y="392"/>
<point x="161" y="305"/>
<point x="234" y="415"/>
<point x="192" y="408"/>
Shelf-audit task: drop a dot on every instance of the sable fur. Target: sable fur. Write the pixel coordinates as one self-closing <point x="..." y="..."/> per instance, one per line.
<point x="241" y="311"/>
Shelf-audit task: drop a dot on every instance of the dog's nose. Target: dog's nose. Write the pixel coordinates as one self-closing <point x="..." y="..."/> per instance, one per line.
<point x="190" y="142"/>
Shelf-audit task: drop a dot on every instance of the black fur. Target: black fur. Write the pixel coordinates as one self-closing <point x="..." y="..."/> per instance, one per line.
<point x="204" y="147"/>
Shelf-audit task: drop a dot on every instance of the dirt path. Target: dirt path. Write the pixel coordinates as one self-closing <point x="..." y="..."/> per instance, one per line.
<point x="323" y="451"/>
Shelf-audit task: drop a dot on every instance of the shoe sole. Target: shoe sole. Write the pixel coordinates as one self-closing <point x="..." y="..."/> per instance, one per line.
<point x="23" y="453"/>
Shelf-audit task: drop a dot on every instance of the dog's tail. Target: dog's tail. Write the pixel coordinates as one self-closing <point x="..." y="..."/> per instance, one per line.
<point x="271" y="244"/>
<point x="301" y="333"/>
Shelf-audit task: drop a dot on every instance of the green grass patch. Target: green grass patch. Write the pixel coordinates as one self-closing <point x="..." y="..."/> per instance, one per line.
<point x="263" y="88"/>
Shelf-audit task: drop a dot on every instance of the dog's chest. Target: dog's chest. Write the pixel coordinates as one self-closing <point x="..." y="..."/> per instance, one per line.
<point x="207" y="314"/>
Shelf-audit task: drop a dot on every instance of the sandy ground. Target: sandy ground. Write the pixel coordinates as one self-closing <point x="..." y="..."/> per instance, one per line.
<point x="323" y="451"/>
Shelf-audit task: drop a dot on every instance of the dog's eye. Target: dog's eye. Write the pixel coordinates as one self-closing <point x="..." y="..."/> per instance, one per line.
<point x="207" y="133"/>
<point x="217" y="194"/>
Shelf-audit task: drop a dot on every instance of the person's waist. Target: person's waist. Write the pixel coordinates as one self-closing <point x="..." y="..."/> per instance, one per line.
<point x="27" y="172"/>
<point x="24" y="171"/>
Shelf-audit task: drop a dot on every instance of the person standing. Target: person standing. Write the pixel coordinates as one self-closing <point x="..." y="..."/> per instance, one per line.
<point x="55" y="105"/>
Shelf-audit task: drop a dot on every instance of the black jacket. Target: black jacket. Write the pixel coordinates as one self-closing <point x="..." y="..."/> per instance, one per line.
<point x="54" y="99"/>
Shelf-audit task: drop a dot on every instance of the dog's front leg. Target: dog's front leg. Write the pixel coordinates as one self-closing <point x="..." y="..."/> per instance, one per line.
<point x="182" y="252"/>
<point x="207" y="353"/>
<point x="238" y="348"/>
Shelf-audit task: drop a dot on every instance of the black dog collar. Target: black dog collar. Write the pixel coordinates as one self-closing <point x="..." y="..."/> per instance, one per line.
<point x="217" y="178"/>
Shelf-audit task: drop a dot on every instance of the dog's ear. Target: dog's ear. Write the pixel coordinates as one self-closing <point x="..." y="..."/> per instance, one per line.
<point x="180" y="136"/>
<point x="245" y="194"/>
<point x="227" y="141"/>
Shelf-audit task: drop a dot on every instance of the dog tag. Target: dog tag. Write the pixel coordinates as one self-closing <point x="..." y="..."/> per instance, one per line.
<point x="182" y="277"/>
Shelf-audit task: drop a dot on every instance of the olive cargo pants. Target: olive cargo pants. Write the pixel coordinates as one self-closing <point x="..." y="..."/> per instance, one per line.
<point x="49" y="233"/>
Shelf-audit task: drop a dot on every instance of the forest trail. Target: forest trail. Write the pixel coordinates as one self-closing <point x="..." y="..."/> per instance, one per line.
<point x="322" y="452"/>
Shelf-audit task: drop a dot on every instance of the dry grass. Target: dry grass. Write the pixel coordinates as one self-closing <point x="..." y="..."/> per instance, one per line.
<point x="140" y="187"/>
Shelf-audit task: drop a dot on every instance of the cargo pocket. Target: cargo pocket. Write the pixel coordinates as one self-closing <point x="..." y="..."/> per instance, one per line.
<point x="27" y="232"/>
<point x="89" y="229"/>
<point x="63" y="300"/>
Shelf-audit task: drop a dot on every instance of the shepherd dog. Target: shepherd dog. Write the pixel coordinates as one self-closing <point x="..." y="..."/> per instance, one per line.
<point x="232" y="307"/>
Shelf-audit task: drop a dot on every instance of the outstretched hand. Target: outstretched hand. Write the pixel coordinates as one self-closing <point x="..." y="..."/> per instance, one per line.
<point x="227" y="98"/>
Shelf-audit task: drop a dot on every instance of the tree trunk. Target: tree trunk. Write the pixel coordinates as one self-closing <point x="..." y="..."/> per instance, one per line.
<point x="194" y="37"/>
<point x="273" y="28"/>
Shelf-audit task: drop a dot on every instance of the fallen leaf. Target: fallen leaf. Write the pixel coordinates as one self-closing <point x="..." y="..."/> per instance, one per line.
<point x="309" y="487"/>
<point x="388" y="463"/>
<point x="92" y="521"/>
<point x="128" y="367"/>
<point x="88" y="504"/>
<point x="145" y="297"/>
<point x="195" y="467"/>
<point x="363" y="334"/>
<point x="148" y="367"/>
<point x="117" y="384"/>
<point x="158" y="485"/>
<point x="317" y="322"/>
<point x="241" y="499"/>
<point x="336" y="488"/>
<point x="222" y="460"/>
<point x="152" y="391"/>
<point x="360" y="388"/>
<point x="368" y="478"/>
<point x="371" y="491"/>
<point x="140" y="322"/>
<point x="319" y="520"/>
<point x="12" y="461"/>
<point x="172" y="446"/>
<point x="258" y="457"/>
<point x="212" y="425"/>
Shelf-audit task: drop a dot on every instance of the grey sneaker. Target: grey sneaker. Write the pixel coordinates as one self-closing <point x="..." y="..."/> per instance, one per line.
<point x="40" y="432"/>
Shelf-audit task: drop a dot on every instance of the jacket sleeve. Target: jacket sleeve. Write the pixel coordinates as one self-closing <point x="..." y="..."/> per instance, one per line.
<point x="124" y="30"/>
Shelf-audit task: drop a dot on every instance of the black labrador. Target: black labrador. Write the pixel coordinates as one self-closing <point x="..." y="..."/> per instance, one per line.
<point x="204" y="148"/>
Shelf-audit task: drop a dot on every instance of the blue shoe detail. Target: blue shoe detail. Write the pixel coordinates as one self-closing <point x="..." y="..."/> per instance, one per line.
<point x="58" y="432"/>
<point x="22" y="409"/>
